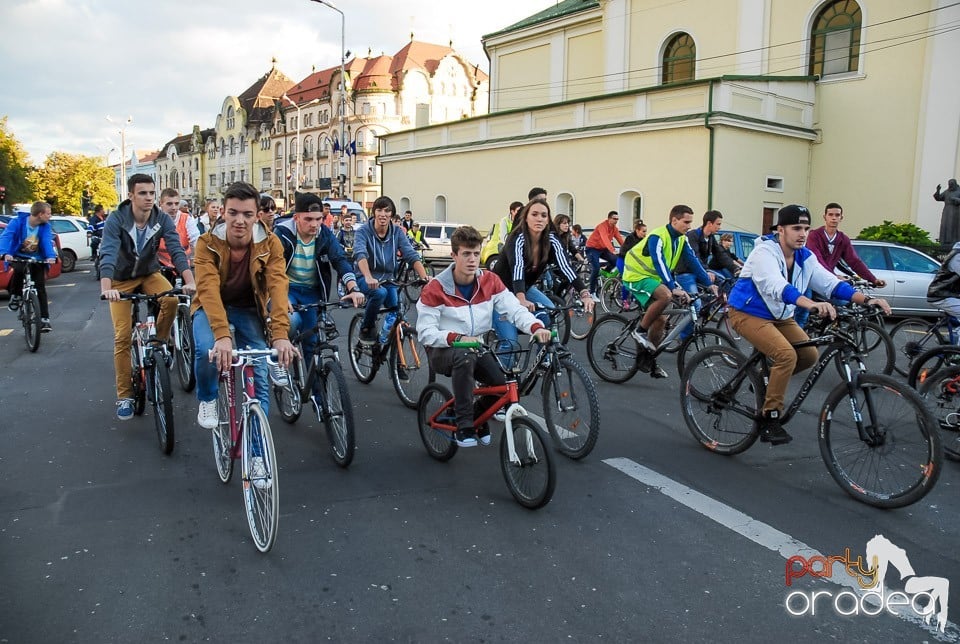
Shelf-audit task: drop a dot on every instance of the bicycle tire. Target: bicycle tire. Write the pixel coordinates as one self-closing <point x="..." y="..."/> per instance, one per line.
<point x="708" y="416"/>
<point x="289" y="402"/>
<point x="362" y="361"/>
<point x="580" y="321"/>
<point x="910" y="338"/>
<point x="439" y="443"/>
<point x="571" y="408"/>
<point x="184" y="354"/>
<point x="337" y="414"/>
<point x="740" y="343"/>
<point x="611" y="351"/>
<point x="261" y="496"/>
<point x="877" y="347"/>
<point x="533" y="479"/>
<point x="406" y="343"/>
<point x="611" y="295"/>
<point x="137" y="381"/>
<point x="944" y="404"/>
<point x="560" y="318"/>
<point x="162" y="404"/>
<point x="876" y="407"/>
<point x="31" y="321"/>
<point x="700" y="339"/>
<point x="222" y="437"/>
<point x="930" y="362"/>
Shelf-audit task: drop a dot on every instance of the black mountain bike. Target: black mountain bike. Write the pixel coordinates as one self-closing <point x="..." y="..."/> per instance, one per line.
<point x="29" y="313"/>
<point x="877" y="438"/>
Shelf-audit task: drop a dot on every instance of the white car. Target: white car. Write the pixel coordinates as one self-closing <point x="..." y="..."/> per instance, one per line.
<point x="74" y="245"/>
<point x="437" y="235"/>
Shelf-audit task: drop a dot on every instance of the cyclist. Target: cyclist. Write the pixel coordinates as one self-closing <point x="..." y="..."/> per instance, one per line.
<point x="459" y="304"/>
<point x="185" y="224"/>
<point x="129" y="262"/>
<point x="95" y="229"/>
<point x="831" y="247"/>
<point x="240" y="267"/>
<point x="762" y="302"/>
<point x="944" y="290"/>
<point x="29" y="236"/>
<point x="309" y="247"/>
<point x="648" y="273"/>
<point x="506" y="225"/>
<point x="378" y="247"/>
<point x="346" y="234"/>
<point x="415" y="233"/>
<point x="600" y="246"/>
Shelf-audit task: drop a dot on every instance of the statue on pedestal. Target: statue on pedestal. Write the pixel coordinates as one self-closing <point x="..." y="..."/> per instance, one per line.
<point x="950" y="219"/>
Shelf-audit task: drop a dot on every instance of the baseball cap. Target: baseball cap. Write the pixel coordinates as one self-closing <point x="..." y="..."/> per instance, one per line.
<point x="305" y="200"/>
<point x="792" y="215"/>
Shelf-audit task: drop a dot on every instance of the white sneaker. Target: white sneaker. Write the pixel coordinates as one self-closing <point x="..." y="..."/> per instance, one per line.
<point x="207" y="417"/>
<point x="278" y="375"/>
<point x="500" y="416"/>
<point x="643" y="340"/>
<point x="596" y="298"/>
<point x="258" y="474"/>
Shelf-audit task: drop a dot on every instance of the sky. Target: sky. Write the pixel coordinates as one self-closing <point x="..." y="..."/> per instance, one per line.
<point x="68" y="64"/>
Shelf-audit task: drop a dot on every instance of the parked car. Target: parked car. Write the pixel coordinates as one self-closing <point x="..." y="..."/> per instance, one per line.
<point x="437" y="235"/>
<point x="74" y="245"/>
<point x="743" y="242"/>
<point x="353" y="208"/>
<point x="6" y="273"/>
<point x="906" y="271"/>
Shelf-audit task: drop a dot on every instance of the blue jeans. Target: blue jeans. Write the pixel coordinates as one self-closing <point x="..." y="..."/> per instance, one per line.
<point x="507" y="332"/>
<point x="307" y="320"/>
<point x="377" y="298"/>
<point x="593" y="256"/>
<point x="248" y="330"/>
<point x="688" y="282"/>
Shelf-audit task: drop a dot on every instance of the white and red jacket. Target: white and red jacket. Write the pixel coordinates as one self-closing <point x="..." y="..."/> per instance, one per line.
<point x="443" y="313"/>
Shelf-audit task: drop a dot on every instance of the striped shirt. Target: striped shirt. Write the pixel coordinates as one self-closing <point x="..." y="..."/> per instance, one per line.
<point x="303" y="268"/>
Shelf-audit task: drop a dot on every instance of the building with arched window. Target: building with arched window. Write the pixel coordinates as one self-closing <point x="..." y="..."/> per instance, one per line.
<point x="737" y="105"/>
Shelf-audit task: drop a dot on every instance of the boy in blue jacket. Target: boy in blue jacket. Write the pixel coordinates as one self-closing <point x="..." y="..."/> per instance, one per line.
<point x="29" y="236"/>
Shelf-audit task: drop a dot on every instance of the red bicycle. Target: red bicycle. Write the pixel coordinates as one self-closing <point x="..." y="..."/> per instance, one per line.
<point x="524" y="458"/>
<point x="244" y="433"/>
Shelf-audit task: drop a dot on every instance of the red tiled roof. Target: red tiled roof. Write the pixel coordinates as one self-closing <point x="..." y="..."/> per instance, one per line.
<point x="258" y="99"/>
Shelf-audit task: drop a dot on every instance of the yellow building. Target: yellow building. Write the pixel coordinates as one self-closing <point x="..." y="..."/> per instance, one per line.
<point x="737" y="105"/>
<point x="179" y="165"/>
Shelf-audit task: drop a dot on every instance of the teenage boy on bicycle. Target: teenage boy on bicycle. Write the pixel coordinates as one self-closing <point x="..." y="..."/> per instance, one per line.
<point x="762" y="303"/>
<point x="458" y="305"/>
<point x="129" y="262"/>
<point x="29" y="237"/>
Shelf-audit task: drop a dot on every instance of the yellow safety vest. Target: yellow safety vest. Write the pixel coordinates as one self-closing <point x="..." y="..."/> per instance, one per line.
<point x="637" y="266"/>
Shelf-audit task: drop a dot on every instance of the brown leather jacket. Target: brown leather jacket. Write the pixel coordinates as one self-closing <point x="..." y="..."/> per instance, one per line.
<point x="268" y="274"/>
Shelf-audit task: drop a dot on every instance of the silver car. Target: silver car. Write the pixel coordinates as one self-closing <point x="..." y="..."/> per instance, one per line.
<point x="906" y="271"/>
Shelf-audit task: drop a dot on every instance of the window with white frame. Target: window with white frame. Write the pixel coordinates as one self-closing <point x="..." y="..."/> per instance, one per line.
<point x="835" y="39"/>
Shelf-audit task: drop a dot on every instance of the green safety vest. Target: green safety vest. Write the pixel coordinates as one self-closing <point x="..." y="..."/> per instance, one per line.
<point x="637" y="266"/>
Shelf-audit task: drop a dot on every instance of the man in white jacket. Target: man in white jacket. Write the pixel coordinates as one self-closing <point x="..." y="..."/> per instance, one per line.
<point x="771" y="285"/>
<point x="458" y="305"/>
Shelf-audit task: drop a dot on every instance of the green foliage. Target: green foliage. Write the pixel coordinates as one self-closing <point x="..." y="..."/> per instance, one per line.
<point x="63" y="178"/>
<point x="14" y="167"/>
<point x="905" y="233"/>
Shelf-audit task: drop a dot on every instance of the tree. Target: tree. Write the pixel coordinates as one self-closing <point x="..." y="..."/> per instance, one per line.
<point x="14" y="167"/>
<point x="63" y="178"/>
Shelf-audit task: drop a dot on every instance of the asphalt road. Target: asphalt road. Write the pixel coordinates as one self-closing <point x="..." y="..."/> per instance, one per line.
<point x="104" y="539"/>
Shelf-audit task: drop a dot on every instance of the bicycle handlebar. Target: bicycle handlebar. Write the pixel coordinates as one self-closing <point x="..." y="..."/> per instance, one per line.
<point x="241" y="356"/>
<point x="300" y="308"/>
<point x="142" y="297"/>
<point x="26" y="260"/>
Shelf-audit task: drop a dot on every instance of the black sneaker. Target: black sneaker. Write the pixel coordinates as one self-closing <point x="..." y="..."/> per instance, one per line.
<point x="368" y="337"/>
<point x="14" y="303"/>
<point x="45" y="325"/>
<point x="771" y="431"/>
<point x="402" y="374"/>
<point x="466" y="437"/>
<point x="656" y="371"/>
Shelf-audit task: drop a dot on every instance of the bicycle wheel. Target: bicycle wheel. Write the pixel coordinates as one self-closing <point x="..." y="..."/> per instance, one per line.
<point x="911" y="337"/>
<point x="222" y="439"/>
<point x="561" y="319"/>
<point x="941" y="392"/>
<point x="580" y="321"/>
<point x="899" y="461"/>
<point x="337" y="414"/>
<point x="571" y="409"/>
<point x="407" y="354"/>
<point x="162" y="397"/>
<point x="532" y="479"/>
<point x="611" y="350"/>
<point x="261" y="494"/>
<point x="362" y="362"/>
<point x="184" y="354"/>
<point x="31" y="321"/>
<point x="138" y="381"/>
<point x="722" y="421"/>
<point x="876" y="346"/>
<point x="930" y="362"/>
<point x="702" y="338"/>
<point x="287" y="396"/>
<point x="611" y="295"/>
<point x="722" y="324"/>
<point x="439" y="443"/>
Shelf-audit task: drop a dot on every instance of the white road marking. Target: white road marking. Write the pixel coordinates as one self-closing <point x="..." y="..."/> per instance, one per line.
<point x="756" y="531"/>
<point x="4" y="332"/>
<point x="59" y="285"/>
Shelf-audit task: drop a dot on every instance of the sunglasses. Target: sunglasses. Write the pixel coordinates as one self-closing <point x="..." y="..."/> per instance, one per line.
<point x="269" y="209"/>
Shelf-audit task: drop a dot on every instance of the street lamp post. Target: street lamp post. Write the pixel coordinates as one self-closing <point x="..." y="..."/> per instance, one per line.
<point x="343" y="97"/>
<point x="123" y="155"/>
<point x="299" y="141"/>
